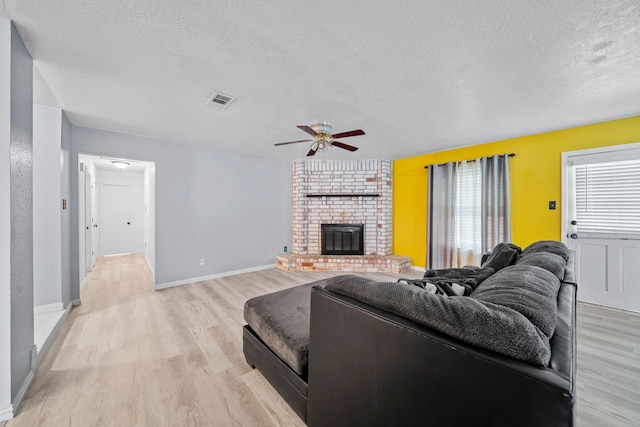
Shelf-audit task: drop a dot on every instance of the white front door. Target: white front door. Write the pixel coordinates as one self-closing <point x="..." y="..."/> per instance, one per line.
<point x="116" y="206"/>
<point x="601" y="211"/>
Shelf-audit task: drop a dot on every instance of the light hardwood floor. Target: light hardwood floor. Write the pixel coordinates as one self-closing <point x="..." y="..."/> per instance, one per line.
<point x="131" y="356"/>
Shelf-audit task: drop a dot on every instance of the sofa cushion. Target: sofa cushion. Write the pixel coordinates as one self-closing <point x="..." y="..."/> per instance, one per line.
<point x="551" y="246"/>
<point x="281" y="320"/>
<point x="527" y="289"/>
<point x="503" y="255"/>
<point x="485" y="324"/>
<point x="547" y="260"/>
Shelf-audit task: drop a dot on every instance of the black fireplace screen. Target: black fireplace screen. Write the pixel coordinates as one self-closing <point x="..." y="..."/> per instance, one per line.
<point x="342" y="239"/>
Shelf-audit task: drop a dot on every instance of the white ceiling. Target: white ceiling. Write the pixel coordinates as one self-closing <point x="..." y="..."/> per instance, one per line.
<point x="416" y="76"/>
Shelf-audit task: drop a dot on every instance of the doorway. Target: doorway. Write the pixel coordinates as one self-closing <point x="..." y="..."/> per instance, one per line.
<point x="601" y="222"/>
<point x="117" y="209"/>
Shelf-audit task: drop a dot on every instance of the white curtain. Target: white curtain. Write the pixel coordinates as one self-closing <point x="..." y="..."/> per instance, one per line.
<point x="467" y="211"/>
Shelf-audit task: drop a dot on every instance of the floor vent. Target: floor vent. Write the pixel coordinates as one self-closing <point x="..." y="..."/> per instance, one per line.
<point x="220" y="100"/>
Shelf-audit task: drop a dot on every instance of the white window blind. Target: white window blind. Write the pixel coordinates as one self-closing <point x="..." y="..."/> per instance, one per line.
<point x="608" y="199"/>
<point x="468" y="206"/>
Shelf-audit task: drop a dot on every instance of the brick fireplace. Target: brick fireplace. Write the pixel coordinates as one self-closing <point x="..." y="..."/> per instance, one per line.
<point x="342" y="192"/>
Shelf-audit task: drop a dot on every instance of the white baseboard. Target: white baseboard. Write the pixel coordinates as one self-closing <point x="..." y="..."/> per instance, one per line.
<point x="416" y="268"/>
<point x="48" y="308"/>
<point x="6" y="413"/>
<point x="159" y="286"/>
<point x="42" y="352"/>
<point x="149" y="265"/>
<point x="27" y="381"/>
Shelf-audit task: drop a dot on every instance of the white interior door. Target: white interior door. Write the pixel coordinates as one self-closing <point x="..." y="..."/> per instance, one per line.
<point x="601" y="210"/>
<point x="88" y="223"/>
<point x="94" y="224"/>
<point x="116" y="215"/>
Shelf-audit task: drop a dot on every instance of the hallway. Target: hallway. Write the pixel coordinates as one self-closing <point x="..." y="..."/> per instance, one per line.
<point x="132" y="356"/>
<point x="129" y="355"/>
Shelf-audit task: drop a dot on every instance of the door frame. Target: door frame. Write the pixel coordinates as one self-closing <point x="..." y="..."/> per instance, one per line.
<point x="88" y="160"/>
<point x="566" y="211"/>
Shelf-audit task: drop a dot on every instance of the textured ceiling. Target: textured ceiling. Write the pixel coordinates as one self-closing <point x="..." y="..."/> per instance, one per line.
<point x="416" y="76"/>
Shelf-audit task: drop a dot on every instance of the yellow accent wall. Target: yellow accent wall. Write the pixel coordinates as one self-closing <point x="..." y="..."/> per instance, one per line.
<point x="535" y="180"/>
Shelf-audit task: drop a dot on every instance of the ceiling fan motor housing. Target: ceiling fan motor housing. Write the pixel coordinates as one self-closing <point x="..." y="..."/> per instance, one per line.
<point x="322" y="127"/>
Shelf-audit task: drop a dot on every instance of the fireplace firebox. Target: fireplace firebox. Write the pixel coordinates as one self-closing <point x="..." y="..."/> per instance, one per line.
<point x="342" y="239"/>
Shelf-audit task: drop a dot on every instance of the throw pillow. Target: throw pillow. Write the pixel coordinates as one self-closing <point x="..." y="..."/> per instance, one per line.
<point x="503" y="255"/>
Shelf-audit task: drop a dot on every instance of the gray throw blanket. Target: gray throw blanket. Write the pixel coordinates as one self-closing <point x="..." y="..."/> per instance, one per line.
<point x="485" y="324"/>
<point x="477" y="273"/>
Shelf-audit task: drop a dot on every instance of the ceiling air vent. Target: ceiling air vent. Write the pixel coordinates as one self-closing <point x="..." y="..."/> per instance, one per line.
<point x="220" y="100"/>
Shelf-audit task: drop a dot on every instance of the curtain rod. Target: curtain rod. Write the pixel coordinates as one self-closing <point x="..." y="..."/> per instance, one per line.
<point x="499" y="155"/>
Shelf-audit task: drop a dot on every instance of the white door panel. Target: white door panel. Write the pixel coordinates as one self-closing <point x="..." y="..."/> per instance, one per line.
<point x="630" y="269"/>
<point x="591" y="265"/>
<point x="608" y="272"/>
<point x="116" y="236"/>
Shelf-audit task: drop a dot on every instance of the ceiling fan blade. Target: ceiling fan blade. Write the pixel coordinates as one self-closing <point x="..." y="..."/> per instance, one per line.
<point x="312" y="152"/>
<point x="343" y="145"/>
<point x="293" y="142"/>
<point x="350" y="133"/>
<point x="308" y="130"/>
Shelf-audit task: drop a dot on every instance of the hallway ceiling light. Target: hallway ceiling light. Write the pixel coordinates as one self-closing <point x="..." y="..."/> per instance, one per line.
<point x="119" y="164"/>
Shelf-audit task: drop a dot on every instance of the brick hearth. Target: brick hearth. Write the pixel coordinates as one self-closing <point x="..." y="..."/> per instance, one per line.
<point x="392" y="263"/>
<point x="342" y="192"/>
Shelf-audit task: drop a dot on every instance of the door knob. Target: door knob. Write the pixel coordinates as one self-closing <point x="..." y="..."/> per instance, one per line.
<point x="128" y="223"/>
<point x="574" y="236"/>
<point x="574" y="222"/>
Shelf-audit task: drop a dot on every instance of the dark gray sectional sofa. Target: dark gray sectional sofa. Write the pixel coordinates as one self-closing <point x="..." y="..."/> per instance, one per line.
<point x="351" y="351"/>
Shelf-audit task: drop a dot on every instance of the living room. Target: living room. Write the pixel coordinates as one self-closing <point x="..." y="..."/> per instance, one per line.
<point x="227" y="199"/>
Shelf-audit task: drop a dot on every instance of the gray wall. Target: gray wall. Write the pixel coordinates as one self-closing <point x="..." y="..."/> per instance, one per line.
<point x="65" y="218"/>
<point x="47" y="274"/>
<point x="21" y="202"/>
<point x="233" y="210"/>
<point x="5" y="218"/>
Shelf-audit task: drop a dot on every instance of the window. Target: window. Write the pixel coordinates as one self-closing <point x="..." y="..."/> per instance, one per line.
<point x="467" y="207"/>
<point x="608" y="199"/>
<point x="467" y="211"/>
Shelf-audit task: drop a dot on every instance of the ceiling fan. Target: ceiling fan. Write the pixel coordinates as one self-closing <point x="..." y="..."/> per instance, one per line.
<point x="323" y="138"/>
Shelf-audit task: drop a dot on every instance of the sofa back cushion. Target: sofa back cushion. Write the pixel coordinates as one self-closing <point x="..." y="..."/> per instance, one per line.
<point x="551" y="246"/>
<point x="484" y="324"/>
<point x="547" y="260"/>
<point x="527" y="289"/>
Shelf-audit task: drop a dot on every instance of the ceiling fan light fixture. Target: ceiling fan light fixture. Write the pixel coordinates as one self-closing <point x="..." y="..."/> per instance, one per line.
<point x="119" y="164"/>
<point x="323" y="138"/>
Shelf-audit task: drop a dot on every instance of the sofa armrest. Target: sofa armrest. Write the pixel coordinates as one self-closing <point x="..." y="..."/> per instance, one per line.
<point x="370" y="367"/>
